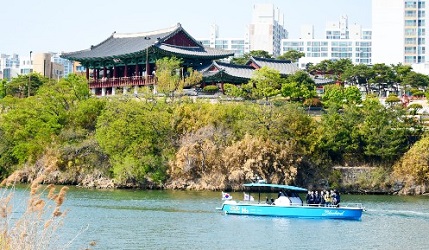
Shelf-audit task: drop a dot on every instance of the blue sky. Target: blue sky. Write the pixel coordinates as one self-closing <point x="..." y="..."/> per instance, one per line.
<point x="53" y="25"/>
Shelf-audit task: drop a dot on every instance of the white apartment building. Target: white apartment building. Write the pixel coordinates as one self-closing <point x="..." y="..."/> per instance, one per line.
<point x="9" y="66"/>
<point x="341" y="41"/>
<point x="267" y="29"/>
<point x="47" y="64"/>
<point x="238" y="45"/>
<point x="400" y="31"/>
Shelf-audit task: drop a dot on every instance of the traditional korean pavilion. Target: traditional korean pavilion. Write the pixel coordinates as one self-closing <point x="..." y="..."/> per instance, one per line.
<point x="128" y="60"/>
<point x="237" y="74"/>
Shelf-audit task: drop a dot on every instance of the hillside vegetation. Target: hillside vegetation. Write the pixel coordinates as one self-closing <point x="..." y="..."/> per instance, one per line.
<point x="153" y="142"/>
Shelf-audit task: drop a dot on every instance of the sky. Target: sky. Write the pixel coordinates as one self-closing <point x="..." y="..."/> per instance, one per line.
<point x="66" y="26"/>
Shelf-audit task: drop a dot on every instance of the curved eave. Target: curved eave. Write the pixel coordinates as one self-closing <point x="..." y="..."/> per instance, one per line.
<point x="224" y="77"/>
<point x="192" y="52"/>
<point x="104" y="58"/>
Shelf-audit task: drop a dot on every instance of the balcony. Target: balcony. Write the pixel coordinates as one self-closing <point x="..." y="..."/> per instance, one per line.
<point x="122" y="82"/>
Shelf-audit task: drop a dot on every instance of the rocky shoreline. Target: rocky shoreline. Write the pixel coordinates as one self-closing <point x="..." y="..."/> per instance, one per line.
<point x="96" y="180"/>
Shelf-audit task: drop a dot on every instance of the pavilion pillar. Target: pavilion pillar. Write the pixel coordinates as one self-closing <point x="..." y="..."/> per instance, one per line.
<point x="97" y="73"/>
<point x="103" y="91"/>
<point x="87" y="74"/>
<point x="94" y="73"/>
<point x="147" y="66"/>
<point x="137" y="69"/>
<point x="104" y="72"/>
<point x="115" y="72"/>
<point x="124" y="90"/>
<point x="93" y="91"/>
<point x="136" y="89"/>
<point x="125" y="71"/>
<point x="113" y="90"/>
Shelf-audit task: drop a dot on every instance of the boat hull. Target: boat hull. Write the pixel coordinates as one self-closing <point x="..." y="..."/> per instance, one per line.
<point x="345" y="213"/>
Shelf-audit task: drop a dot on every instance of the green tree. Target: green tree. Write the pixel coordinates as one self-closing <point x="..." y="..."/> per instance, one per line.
<point x="266" y="83"/>
<point x="332" y="68"/>
<point x="193" y="78"/>
<point x="360" y="75"/>
<point x="415" y="80"/>
<point x="338" y="135"/>
<point x="292" y="55"/>
<point x="299" y="86"/>
<point x="33" y="123"/>
<point x="338" y="67"/>
<point x="245" y="58"/>
<point x="337" y="96"/>
<point x="385" y="132"/>
<point x="384" y="76"/>
<point x="137" y="138"/>
<point x="19" y="85"/>
<point x="168" y="73"/>
<point x="3" y="85"/>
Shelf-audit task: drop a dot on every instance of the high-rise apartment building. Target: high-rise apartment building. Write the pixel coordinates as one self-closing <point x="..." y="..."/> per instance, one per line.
<point x="341" y="41"/>
<point x="399" y="31"/>
<point x="238" y="45"/>
<point x="267" y="29"/>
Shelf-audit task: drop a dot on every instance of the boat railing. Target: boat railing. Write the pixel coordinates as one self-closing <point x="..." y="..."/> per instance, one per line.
<point x="357" y="205"/>
<point x="350" y="205"/>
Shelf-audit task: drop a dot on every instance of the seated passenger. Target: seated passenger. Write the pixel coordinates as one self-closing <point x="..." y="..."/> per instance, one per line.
<point x="316" y="197"/>
<point x="328" y="198"/>
<point x="335" y="198"/>
<point x="322" y="198"/>
<point x="308" y="197"/>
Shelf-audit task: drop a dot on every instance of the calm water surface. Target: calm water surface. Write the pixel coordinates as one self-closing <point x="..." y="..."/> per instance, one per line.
<point x="126" y="219"/>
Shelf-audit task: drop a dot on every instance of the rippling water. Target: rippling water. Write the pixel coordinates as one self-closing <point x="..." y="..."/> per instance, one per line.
<point x="125" y="219"/>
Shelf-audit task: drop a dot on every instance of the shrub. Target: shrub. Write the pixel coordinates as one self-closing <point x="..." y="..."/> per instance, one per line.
<point x="211" y="89"/>
<point x="313" y="102"/>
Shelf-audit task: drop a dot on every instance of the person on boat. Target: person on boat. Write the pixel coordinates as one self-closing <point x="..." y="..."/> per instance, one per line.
<point x="322" y="198"/>
<point x="308" y="197"/>
<point x="316" y="198"/>
<point x="335" y="197"/>
<point x="328" y="198"/>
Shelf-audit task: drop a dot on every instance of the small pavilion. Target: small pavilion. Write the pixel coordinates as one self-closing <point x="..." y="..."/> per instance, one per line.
<point x="219" y="73"/>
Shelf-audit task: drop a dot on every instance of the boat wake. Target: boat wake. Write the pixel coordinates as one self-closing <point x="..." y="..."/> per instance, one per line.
<point x="401" y="213"/>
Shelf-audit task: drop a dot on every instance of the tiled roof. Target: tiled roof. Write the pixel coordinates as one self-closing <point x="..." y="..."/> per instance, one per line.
<point x="285" y="67"/>
<point x="323" y="81"/>
<point x="195" y="51"/>
<point x="120" y="45"/>
<point x="233" y="70"/>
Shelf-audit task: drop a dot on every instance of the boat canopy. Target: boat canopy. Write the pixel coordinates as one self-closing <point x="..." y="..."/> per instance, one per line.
<point x="287" y="187"/>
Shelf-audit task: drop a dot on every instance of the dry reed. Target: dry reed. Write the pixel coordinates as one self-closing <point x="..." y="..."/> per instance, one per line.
<point x="35" y="227"/>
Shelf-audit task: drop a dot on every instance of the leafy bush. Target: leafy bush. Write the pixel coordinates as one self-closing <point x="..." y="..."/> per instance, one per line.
<point x="211" y="89"/>
<point x="313" y="102"/>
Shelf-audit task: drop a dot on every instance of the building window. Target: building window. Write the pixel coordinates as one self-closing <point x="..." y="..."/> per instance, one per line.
<point x="410" y="41"/>
<point x="410" y="23"/>
<point x="411" y="4"/>
<point x="410" y="59"/>
<point x="410" y="13"/>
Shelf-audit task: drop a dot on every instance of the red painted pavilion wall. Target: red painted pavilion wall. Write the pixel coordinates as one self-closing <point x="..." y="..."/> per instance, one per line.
<point x="181" y="39"/>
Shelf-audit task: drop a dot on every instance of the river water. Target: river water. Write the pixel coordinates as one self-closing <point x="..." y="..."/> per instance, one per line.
<point x="135" y="219"/>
